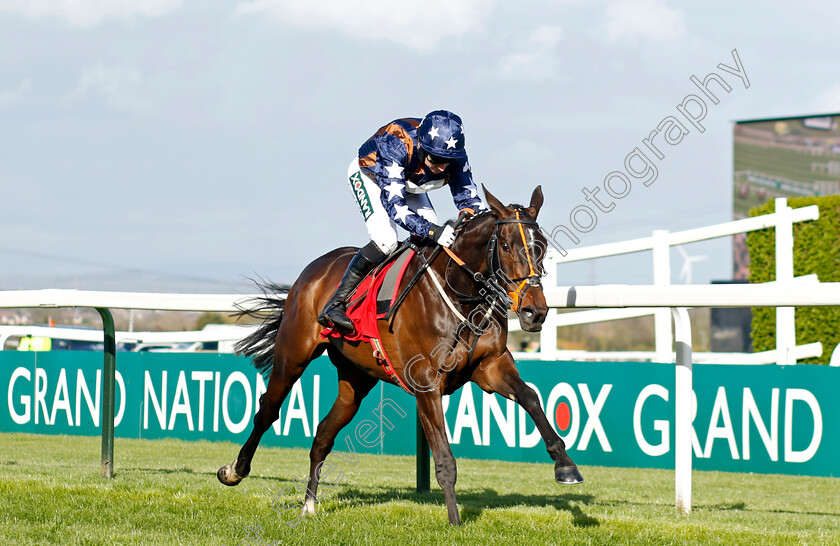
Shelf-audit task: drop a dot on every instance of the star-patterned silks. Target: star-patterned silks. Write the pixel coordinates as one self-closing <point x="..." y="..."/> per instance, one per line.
<point x="392" y="158"/>
<point x="402" y="213"/>
<point x="394" y="189"/>
<point x="394" y="171"/>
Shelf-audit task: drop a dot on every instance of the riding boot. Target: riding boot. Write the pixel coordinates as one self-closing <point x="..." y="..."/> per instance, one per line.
<point x="335" y="311"/>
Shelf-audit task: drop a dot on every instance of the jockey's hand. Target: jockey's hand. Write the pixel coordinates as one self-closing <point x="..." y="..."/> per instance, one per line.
<point x="464" y="216"/>
<point x="442" y="235"/>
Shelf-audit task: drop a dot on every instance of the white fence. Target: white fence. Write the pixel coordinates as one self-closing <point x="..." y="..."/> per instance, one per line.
<point x="678" y="298"/>
<point x="224" y="335"/>
<point x="660" y="243"/>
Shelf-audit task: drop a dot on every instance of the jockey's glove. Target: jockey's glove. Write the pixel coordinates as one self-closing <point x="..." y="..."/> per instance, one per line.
<point x="442" y="235"/>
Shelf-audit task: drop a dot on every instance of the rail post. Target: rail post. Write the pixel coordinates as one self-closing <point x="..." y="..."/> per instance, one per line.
<point x="682" y="410"/>
<point x="662" y="277"/>
<point x="785" y="316"/>
<point x="548" y="334"/>
<point x="110" y="371"/>
<point x="423" y="479"/>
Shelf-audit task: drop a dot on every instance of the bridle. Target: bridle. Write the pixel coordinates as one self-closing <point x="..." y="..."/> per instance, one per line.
<point x="532" y="279"/>
<point x="498" y="282"/>
<point x="495" y="286"/>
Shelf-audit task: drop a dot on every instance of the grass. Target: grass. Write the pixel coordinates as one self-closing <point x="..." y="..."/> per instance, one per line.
<point x="788" y="163"/>
<point x="166" y="492"/>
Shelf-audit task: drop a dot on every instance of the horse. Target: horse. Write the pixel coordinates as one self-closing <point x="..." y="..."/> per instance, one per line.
<point x="494" y="263"/>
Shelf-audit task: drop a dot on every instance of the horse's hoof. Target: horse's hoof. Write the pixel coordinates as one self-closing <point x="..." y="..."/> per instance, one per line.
<point x="568" y="475"/>
<point x="308" y="508"/>
<point x="228" y="476"/>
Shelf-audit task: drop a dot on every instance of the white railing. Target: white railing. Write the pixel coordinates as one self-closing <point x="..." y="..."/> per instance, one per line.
<point x="660" y="243"/>
<point x="51" y="298"/>
<point x="801" y="352"/>
<point x="678" y="299"/>
<point x="224" y="335"/>
<point x="13" y="299"/>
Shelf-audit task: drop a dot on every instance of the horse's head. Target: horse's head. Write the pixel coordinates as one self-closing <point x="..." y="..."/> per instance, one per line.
<point x="515" y="249"/>
<point x="518" y="257"/>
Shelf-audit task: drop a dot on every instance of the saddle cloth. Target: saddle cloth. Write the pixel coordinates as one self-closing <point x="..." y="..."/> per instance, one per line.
<point x="373" y="298"/>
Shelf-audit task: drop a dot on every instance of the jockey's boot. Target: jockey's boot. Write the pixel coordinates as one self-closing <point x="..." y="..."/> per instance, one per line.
<point x="335" y="311"/>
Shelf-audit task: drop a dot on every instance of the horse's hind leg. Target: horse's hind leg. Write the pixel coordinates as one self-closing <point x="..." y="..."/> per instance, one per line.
<point x="290" y="361"/>
<point x="353" y="386"/>
<point x="501" y="377"/>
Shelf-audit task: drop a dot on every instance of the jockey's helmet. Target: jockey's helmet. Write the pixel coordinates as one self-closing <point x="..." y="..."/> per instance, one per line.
<point x="441" y="134"/>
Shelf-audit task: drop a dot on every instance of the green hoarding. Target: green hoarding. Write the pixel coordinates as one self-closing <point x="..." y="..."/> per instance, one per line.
<point x="766" y="419"/>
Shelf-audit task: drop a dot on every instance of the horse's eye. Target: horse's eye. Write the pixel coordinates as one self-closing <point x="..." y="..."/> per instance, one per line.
<point x="505" y="247"/>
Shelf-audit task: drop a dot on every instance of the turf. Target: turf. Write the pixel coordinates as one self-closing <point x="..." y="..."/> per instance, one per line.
<point x="792" y="164"/>
<point x="166" y="492"/>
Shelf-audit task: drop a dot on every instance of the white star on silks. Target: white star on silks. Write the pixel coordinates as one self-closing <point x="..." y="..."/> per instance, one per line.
<point x="451" y="142"/>
<point x="394" y="189"/>
<point x="394" y="171"/>
<point x="434" y="132"/>
<point x="473" y="193"/>
<point x="402" y="212"/>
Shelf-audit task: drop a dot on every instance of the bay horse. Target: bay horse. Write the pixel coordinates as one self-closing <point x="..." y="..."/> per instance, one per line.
<point x="494" y="262"/>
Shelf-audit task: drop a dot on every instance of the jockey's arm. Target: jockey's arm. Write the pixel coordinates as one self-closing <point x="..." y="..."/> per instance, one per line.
<point x="389" y="174"/>
<point x="464" y="192"/>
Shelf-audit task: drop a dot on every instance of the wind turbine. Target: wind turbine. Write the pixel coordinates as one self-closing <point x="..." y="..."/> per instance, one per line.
<point x="685" y="273"/>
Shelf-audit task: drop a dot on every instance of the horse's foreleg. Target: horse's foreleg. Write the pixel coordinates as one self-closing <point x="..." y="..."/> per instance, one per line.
<point x="500" y="376"/>
<point x="353" y="386"/>
<point x="430" y="411"/>
<point x="282" y="379"/>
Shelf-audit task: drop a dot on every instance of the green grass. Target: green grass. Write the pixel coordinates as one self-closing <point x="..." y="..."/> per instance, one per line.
<point x="788" y="163"/>
<point x="166" y="492"/>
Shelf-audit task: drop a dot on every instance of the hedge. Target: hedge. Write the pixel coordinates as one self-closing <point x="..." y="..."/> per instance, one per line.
<point x="816" y="249"/>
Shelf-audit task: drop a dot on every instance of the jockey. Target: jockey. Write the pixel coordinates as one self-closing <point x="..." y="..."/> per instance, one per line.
<point x="394" y="170"/>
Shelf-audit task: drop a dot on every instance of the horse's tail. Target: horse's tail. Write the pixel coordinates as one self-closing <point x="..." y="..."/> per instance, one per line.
<point x="268" y="308"/>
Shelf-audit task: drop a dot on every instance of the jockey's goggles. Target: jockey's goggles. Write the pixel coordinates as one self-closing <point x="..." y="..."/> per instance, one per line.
<point x="437" y="160"/>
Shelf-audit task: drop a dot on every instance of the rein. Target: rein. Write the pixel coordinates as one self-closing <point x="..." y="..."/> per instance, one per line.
<point x="494" y="285"/>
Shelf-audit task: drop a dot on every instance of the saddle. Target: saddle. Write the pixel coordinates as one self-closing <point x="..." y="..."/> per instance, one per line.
<point x="371" y="301"/>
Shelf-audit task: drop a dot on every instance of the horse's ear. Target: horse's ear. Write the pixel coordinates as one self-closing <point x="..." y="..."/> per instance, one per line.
<point x="536" y="202"/>
<point x="495" y="205"/>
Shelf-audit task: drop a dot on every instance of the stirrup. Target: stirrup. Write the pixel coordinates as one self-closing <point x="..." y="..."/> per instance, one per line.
<point x="324" y="319"/>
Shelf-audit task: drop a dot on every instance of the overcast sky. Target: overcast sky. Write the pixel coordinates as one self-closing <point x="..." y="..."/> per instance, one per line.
<point x="210" y="139"/>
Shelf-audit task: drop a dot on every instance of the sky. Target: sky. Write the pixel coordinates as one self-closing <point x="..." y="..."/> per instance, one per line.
<point x="186" y="145"/>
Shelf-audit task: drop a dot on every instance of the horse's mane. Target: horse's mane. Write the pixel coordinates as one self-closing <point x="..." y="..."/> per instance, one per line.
<point x="479" y="218"/>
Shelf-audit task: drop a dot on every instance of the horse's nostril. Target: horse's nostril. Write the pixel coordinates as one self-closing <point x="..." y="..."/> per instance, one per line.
<point x="533" y="316"/>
